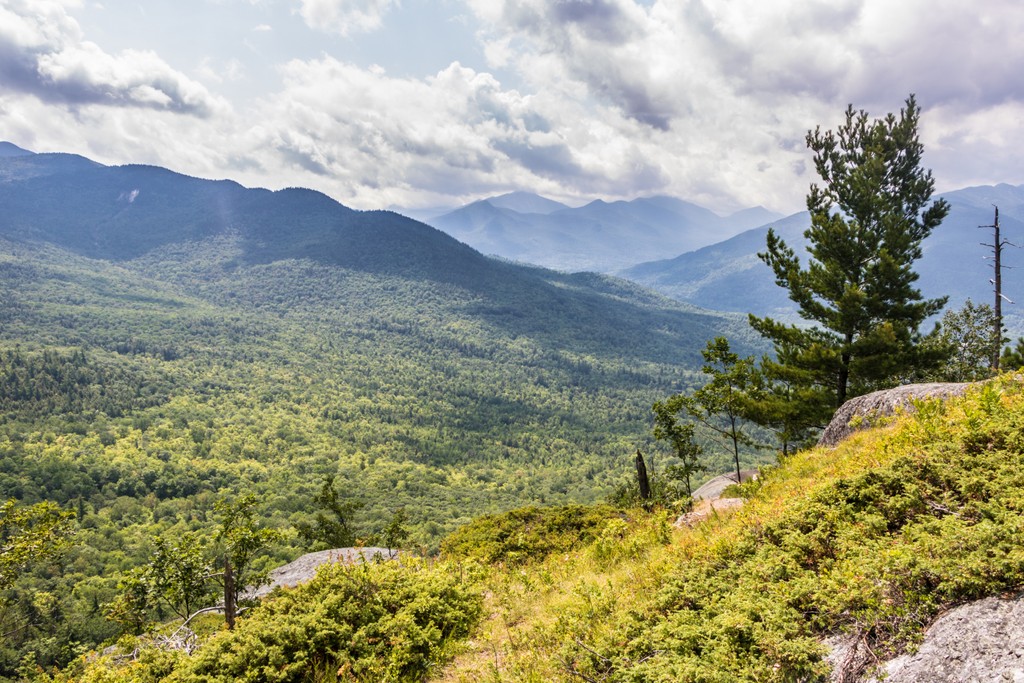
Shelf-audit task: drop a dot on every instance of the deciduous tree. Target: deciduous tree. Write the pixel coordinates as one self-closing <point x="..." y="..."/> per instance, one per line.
<point x="241" y="537"/>
<point x="680" y="437"/>
<point x="332" y="527"/>
<point x="966" y="337"/>
<point x="30" y="534"/>
<point x="722" y="404"/>
<point x="178" y="574"/>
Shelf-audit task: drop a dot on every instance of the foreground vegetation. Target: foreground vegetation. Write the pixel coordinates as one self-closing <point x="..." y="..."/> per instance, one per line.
<point x="871" y="539"/>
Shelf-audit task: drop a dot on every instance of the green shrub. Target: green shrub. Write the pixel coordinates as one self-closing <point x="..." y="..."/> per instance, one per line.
<point x="386" y="622"/>
<point x="529" y="533"/>
<point x="934" y="522"/>
<point x="372" y="622"/>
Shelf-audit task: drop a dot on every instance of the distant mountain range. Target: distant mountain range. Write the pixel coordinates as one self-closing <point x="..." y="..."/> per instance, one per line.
<point x="123" y="213"/>
<point x="600" y="236"/>
<point x="729" y="276"/>
<point x="131" y="214"/>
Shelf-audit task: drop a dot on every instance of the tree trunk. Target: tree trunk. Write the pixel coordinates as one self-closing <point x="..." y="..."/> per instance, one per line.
<point x="229" y="594"/>
<point x="844" y="372"/>
<point x="736" y="448"/>
<point x="641" y="475"/>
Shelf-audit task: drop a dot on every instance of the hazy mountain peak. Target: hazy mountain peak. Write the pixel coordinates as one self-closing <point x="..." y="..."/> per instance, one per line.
<point x="670" y="203"/>
<point x="1006" y="196"/>
<point x="526" y="202"/>
<point x="601" y="235"/>
<point x="8" y="149"/>
<point x="753" y="217"/>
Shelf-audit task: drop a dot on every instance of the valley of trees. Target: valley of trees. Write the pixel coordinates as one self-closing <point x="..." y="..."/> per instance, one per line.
<point x="140" y="392"/>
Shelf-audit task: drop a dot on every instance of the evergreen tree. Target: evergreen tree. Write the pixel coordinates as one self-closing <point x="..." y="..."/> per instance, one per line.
<point x="787" y="401"/>
<point x="868" y="220"/>
<point x="1012" y="357"/>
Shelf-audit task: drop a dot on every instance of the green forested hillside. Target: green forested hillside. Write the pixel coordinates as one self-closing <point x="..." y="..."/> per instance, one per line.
<point x="865" y="543"/>
<point x="167" y="343"/>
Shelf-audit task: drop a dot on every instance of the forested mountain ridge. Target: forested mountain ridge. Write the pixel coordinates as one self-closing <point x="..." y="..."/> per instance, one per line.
<point x="168" y="342"/>
<point x="121" y="214"/>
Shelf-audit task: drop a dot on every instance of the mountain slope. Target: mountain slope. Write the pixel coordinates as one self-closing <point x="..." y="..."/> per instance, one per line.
<point x="599" y="236"/>
<point x="729" y="276"/>
<point x="345" y="338"/>
<point x="120" y="213"/>
<point x="864" y="543"/>
<point x="837" y="560"/>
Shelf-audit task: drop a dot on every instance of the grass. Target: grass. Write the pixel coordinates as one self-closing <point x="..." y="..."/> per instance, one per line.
<point x="873" y="538"/>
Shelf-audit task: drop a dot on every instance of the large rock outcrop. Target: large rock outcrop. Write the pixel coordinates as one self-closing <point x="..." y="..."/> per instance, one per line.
<point x="863" y="411"/>
<point x="304" y="568"/>
<point x="980" y="641"/>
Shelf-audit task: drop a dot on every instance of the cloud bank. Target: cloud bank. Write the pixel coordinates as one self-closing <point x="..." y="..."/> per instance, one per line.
<point x="43" y="53"/>
<point x="708" y="100"/>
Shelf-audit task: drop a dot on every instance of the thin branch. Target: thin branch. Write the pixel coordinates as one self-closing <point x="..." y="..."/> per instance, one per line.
<point x="215" y="608"/>
<point x="596" y="654"/>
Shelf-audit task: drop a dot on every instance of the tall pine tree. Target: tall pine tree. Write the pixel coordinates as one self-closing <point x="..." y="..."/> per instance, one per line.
<point x="858" y="289"/>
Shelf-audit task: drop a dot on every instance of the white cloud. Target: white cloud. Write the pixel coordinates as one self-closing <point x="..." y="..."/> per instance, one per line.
<point x="977" y="146"/>
<point x="345" y="17"/>
<point x="43" y="53"/>
<point x="722" y="91"/>
<point x="366" y="134"/>
<point x="708" y="100"/>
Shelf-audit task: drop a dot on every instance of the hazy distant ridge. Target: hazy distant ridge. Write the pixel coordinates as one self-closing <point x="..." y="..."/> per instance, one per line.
<point x="730" y="277"/>
<point x="599" y="236"/>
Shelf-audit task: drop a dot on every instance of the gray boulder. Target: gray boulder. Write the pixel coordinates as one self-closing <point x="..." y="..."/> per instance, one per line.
<point x="979" y="642"/>
<point x="863" y="411"/>
<point x="304" y="568"/>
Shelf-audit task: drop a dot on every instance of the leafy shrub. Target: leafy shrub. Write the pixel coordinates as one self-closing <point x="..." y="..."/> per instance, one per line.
<point x="529" y="533"/>
<point x="374" y="622"/>
<point x="930" y="520"/>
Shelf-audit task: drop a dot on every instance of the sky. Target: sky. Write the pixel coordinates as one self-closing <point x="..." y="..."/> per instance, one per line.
<point x="417" y="104"/>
